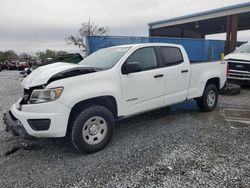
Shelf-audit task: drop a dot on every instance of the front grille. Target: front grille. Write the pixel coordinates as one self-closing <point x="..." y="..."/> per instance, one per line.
<point x="239" y="75"/>
<point x="12" y="116"/>
<point x="239" y="65"/>
<point x="26" y="96"/>
<point x="239" y="69"/>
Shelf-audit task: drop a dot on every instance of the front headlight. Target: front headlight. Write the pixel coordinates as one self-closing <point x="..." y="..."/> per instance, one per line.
<point x="45" y="95"/>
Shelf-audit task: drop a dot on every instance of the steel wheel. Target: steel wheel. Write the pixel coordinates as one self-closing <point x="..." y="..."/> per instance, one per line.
<point x="211" y="98"/>
<point x="94" y="130"/>
<point x="208" y="101"/>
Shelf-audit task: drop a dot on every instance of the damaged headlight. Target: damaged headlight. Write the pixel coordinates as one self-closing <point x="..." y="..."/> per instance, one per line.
<point x="45" y="95"/>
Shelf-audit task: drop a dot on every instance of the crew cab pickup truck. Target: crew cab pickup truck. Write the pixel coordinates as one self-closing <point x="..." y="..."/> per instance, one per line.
<point x="83" y="101"/>
<point x="239" y="65"/>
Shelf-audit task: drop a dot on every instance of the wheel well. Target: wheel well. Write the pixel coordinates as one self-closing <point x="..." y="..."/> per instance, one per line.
<point x="107" y="101"/>
<point x="215" y="81"/>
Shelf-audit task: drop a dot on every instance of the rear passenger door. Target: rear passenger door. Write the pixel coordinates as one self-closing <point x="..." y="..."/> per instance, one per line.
<point x="177" y="75"/>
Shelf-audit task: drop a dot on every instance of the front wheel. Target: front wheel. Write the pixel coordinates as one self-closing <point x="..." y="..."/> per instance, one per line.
<point x="92" y="129"/>
<point x="208" y="101"/>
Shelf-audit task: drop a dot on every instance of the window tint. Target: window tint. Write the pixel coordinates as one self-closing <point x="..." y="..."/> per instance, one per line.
<point x="172" y="55"/>
<point x="146" y="57"/>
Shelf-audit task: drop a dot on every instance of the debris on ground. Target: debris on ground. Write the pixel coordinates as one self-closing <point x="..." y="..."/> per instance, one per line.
<point x="231" y="89"/>
<point x="24" y="146"/>
<point x="11" y="151"/>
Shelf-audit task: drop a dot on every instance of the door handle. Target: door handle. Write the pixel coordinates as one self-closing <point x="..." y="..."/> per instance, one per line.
<point x="158" y="75"/>
<point x="184" y="71"/>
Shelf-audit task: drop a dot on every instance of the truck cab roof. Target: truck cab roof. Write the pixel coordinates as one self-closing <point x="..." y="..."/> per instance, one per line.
<point x="147" y="44"/>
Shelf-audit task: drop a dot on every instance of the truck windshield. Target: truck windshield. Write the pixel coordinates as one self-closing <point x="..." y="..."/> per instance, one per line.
<point x="105" y="58"/>
<point x="245" y="48"/>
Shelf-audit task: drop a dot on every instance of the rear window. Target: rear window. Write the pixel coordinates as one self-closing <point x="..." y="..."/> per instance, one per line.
<point x="172" y="55"/>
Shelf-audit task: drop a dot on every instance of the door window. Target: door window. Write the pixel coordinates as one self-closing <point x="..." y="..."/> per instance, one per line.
<point x="146" y="57"/>
<point x="172" y="55"/>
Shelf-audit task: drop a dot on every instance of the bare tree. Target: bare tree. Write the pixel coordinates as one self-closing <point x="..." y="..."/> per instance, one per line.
<point x="24" y="57"/>
<point x="87" y="28"/>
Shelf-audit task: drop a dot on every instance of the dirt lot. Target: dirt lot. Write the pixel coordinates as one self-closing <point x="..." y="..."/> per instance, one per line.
<point x="177" y="147"/>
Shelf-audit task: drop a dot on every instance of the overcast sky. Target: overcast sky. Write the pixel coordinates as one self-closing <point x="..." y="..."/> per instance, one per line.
<point x="32" y="25"/>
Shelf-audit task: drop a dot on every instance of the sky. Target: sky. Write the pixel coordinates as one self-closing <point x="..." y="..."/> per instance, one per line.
<point x="34" y="25"/>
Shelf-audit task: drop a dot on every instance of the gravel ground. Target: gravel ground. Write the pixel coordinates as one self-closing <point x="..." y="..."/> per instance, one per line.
<point x="170" y="147"/>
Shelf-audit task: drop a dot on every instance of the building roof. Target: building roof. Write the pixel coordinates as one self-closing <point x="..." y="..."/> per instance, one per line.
<point x="215" y="13"/>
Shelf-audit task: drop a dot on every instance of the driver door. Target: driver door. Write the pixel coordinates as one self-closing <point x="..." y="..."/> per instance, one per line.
<point x="143" y="90"/>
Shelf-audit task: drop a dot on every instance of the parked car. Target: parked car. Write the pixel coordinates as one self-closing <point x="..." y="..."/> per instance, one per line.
<point x="12" y="66"/>
<point x="69" y="58"/>
<point x="22" y="65"/>
<point x="83" y="101"/>
<point x="3" y="65"/>
<point x="239" y="65"/>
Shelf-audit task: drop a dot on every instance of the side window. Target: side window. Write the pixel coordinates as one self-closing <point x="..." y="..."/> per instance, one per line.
<point x="172" y="55"/>
<point x="146" y="57"/>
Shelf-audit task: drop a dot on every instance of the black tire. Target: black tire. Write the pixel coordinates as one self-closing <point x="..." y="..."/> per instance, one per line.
<point x="231" y="89"/>
<point x="77" y="137"/>
<point x="204" y="103"/>
<point x="198" y="100"/>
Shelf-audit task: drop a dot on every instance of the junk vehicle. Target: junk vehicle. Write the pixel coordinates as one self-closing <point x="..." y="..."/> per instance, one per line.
<point x="69" y="58"/>
<point x="239" y="65"/>
<point x="83" y="101"/>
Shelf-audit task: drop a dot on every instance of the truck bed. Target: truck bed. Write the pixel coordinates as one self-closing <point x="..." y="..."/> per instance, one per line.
<point x="199" y="75"/>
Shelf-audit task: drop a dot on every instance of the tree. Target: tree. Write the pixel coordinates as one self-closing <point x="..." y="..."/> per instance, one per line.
<point x="61" y="53"/>
<point x="24" y="57"/>
<point x="9" y="55"/>
<point x="45" y="55"/>
<point x="2" y="56"/>
<point x="87" y="28"/>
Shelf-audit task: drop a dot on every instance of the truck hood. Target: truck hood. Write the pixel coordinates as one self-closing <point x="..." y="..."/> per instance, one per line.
<point x="238" y="56"/>
<point x="48" y="73"/>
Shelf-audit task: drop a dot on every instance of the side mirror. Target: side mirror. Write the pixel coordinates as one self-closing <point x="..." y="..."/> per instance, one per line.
<point x="130" y="67"/>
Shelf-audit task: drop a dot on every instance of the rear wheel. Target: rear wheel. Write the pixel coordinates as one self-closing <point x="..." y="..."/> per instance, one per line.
<point x="208" y="101"/>
<point x="92" y="129"/>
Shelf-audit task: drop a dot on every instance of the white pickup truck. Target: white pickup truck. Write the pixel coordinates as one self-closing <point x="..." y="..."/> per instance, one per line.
<point x="239" y="65"/>
<point x="83" y="101"/>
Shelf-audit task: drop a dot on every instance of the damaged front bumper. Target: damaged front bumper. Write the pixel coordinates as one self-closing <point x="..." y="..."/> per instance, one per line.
<point x="14" y="125"/>
<point x="38" y="120"/>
